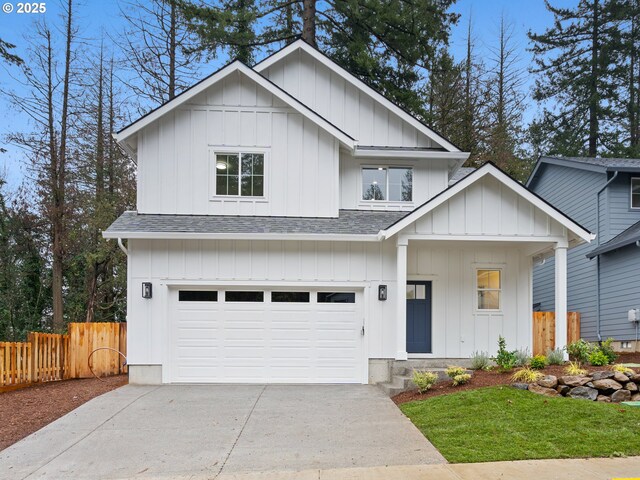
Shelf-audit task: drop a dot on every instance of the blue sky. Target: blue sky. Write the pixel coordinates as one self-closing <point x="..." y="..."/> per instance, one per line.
<point x="97" y="16"/>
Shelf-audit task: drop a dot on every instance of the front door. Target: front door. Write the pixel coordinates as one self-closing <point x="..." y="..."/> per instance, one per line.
<point x="418" y="317"/>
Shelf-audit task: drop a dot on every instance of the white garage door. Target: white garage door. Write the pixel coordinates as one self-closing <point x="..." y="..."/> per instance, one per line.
<point x="267" y="336"/>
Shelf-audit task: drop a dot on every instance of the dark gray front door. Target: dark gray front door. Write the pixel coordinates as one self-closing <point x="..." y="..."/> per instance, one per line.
<point x="418" y="317"/>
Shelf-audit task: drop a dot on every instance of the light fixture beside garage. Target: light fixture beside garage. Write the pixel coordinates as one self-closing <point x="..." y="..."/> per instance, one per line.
<point x="146" y="290"/>
<point x="382" y="292"/>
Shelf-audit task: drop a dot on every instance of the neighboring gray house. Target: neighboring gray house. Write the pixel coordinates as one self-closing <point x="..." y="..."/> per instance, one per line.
<point x="603" y="195"/>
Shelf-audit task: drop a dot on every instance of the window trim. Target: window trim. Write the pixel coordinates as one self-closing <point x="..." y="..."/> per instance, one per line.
<point x="477" y="308"/>
<point x="387" y="201"/>
<point x="226" y="150"/>
<point x="631" y="193"/>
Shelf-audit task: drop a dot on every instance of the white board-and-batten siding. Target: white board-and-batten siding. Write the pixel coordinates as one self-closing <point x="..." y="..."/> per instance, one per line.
<point x="176" y="166"/>
<point x="458" y="329"/>
<point x="340" y="102"/>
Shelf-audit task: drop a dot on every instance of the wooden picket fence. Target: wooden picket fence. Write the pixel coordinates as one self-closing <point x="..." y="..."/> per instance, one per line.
<point x="544" y="330"/>
<point x="47" y="357"/>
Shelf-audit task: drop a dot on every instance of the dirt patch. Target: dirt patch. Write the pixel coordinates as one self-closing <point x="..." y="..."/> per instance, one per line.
<point x="490" y="378"/>
<point x="24" y="411"/>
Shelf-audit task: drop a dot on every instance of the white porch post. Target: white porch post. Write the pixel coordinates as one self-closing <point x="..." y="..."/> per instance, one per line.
<point x="401" y="300"/>
<point x="561" y="296"/>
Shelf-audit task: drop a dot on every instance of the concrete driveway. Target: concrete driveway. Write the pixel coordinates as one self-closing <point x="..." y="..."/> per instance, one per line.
<point x="201" y="431"/>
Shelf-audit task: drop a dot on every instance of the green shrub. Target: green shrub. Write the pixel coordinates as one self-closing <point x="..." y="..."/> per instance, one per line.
<point x="580" y="350"/>
<point x="522" y="357"/>
<point x="555" y="357"/>
<point x="461" y="379"/>
<point x="607" y="350"/>
<point x="424" y="380"/>
<point x="526" y="375"/>
<point x="453" y="371"/>
<point x="598" y="359"/>
<point x="504" y="359"/>
<point x="480" y="361"/>
<point x="538" y="362"/>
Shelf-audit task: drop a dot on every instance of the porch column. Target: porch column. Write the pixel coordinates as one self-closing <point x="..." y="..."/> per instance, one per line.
<point x="561" y="296"/>
<point x="401" y="299"/>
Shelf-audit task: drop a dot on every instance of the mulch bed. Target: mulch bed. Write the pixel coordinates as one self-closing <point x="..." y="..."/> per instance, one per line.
<point x="481" y="378"/>
<point x="24" y="411"/>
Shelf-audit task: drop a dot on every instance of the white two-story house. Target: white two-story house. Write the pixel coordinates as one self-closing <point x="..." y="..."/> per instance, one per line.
<point x="295" y="226"/>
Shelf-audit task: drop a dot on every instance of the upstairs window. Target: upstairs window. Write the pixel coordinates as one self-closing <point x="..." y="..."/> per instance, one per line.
<point x="240" y="174"/>
<point x="635" y="193"/>
<point x="393" y="184"/>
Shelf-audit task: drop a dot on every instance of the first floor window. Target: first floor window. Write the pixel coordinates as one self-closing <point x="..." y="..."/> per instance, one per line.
<point x="240" y="174"/>
<point x="393" y="184"/>
<point x="489" y="284"/>
<point x="635" y="193"/>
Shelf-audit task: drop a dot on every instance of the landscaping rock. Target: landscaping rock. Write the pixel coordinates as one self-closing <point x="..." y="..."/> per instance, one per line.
<point x="583" y="393"/>
<point x="620" y="377"/>
<point x="632" y="387"/>
<point x="589" y="384"/>
<point x="601" y="375"/>
<point x="549" y="392"/>
<point x="621" y="396"/>
<point x="563" y="389"/>
<point x="606" y="384"/>
<point x="548" y="381"/>
<point x="574" y="380"/>
<point x="635" y="397"/>
<point x="520" y="386"/>
<point x="603" y="398"/>
<point x="635" y="377"/>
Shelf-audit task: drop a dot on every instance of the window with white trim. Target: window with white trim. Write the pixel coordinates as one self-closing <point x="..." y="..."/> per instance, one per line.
<point x="489" y="289"/>
<point x="393" y="184"/>
<point x="240" y="174"/>
<point x="635" y="192"/>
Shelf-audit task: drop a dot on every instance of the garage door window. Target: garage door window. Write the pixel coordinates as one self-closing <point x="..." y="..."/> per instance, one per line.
<point x="290" y="297"/>
<point x="336" y="297"/>
<point x="244" y="296"/>
<point x="198" y="296"/>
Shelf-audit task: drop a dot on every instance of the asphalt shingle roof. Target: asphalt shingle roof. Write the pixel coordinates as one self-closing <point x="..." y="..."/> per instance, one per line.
<point x="605" y="162"/>
<point x="629" y="236"/>
<point x="349" y="222"/>
<point x="460" y="174"/>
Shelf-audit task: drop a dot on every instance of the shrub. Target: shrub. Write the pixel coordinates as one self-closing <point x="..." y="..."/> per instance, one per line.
<point x="555" y="357"/>
<point x="597" y="358"/>
<point x="522" y="357"/>
<point x="607" y="350"/>
<point x="538" y="362"/>
<point x="580" y="350"/>
<point x="424" y="380"/>
<point x="622" y="369"/>
<point x="526" y="375"/>
<point x="453" y="371"/>
<point x="504" y="359"/>
<point x="480" y="361"/>
<point x="461" y="379"/>
<point x="574" y="368"/>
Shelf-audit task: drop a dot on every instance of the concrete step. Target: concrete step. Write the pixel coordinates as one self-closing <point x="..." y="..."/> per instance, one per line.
<point x="403" y="380"/>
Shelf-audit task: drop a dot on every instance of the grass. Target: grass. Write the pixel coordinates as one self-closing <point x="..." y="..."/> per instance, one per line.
<point x="503" y="423"/>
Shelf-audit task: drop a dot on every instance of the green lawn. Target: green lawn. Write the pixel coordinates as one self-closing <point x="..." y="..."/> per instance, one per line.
<point x="502" y="423"/>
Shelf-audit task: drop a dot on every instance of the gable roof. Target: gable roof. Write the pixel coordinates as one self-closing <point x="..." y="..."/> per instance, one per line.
<point x="461" y="173"/>
<point x="359" y="84"/>
<point x="593" y="164"/>
<point x="489" y="169"/>
<point x="235" y="66"/>
<point x="628" y="237"/>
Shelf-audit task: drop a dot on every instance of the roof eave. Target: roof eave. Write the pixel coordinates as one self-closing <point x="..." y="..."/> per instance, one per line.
<point x="110" y="234"/>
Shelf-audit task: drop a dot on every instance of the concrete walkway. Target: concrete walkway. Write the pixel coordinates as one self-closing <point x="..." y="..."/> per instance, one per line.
<point x="205" y="431"/>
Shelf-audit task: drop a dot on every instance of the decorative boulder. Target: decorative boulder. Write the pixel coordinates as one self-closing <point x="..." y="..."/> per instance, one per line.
<point x="520" y="386"/>
<point x="632" y="387"/>
<point x="635" y="377"/>
<point x="603" y="398"/>
<point x="621" y="396"/>
<point x="574" y="380"/>
<point x="606" y="384"/>
<point x="620" y="377"/>
<point x="549" y="392"/>
<point x="635" y="397"/>
<point x="602" y="375"/>
<point x="583" y="393"/>
<point x="563" y="389"/>
<point x="548" y="381"/>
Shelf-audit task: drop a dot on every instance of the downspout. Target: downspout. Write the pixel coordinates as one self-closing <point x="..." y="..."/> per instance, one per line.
<point x="615" y="174"/>
<point x="122" y="247"/>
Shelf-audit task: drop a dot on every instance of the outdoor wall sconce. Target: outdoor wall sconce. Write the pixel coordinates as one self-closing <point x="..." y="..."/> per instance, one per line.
<point x="146" y="290"/>
<point x="382" y="292"/>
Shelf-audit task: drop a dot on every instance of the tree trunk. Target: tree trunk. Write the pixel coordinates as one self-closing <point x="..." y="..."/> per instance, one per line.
<point x="309" y="21"/>
<point x="593" y="100"/>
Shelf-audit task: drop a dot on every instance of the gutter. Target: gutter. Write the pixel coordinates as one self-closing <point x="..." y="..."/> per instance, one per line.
<point x="122" y="247"/>
<point x="615" y="175"/>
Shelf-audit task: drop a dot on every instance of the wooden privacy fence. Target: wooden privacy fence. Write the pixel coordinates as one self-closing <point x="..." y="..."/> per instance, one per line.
<point x="544" y="330"/>
<point x="47" y="357"/>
